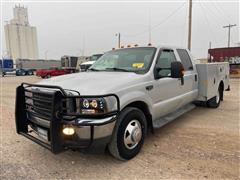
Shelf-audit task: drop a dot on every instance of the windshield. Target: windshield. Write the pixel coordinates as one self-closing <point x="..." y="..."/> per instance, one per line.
<point x="95" y="57"/>
<point x="130" y="60"/>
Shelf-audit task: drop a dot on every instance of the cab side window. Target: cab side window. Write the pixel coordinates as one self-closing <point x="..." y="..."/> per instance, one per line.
<point x="164" y="61"/>
<point x="185" y="59"/>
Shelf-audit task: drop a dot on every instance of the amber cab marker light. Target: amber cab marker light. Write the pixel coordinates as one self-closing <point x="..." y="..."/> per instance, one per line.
<point x="128" y="46"/>
<point x="122" y="46"/>
<point x="136" y="45"/>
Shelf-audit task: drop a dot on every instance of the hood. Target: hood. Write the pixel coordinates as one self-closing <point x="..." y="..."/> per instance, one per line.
<point x="95" y="83"/>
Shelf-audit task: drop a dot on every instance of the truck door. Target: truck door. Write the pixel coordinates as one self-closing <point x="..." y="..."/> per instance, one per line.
<point x="189" y="89"/>
<point x="167" y="91"/>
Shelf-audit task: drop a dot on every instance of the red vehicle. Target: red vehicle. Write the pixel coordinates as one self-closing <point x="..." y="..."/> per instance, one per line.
<point x="231" y="55"/>
<point x="47" y="73"/>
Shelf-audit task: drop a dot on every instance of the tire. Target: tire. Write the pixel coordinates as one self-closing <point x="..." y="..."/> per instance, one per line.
<point x="131" y="127"/>
<point x="215" y="101"/>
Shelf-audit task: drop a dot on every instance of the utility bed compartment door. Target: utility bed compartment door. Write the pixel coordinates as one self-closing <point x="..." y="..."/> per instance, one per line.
<point x="210" y="75"/>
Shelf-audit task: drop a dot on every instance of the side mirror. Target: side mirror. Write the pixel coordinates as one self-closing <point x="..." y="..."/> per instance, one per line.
<point x="177" y="70"/>
<point x="156" y="72"/>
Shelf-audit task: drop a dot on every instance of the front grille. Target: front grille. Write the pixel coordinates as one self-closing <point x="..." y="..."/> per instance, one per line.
<point x="39" y="105"/>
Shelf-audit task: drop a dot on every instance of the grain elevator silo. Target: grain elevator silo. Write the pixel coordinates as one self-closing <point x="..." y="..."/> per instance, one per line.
<point x="21" y="38"/>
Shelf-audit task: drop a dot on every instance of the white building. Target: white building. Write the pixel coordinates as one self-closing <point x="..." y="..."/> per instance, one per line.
<point x="21" y="38"/>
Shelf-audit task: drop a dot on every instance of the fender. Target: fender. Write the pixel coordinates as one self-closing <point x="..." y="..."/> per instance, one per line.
<point x="134" y="96"/>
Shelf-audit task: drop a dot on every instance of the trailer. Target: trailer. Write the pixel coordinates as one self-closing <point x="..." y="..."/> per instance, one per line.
<point x="6" y="66"/>
<point x="37" y="64"/>
<point x="231" y="55"/>
<point x="72" y="63"/>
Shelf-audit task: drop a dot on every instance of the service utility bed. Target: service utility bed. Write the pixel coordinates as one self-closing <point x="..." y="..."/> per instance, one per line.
<point x="210" y="75"/>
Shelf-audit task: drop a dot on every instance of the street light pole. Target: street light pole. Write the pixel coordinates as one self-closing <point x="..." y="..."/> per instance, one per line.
<point x="119" y="39"/>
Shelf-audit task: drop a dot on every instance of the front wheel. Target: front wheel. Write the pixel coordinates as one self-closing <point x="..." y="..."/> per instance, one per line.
<point x="129" y="133"/>
<point x="48" y="76"/>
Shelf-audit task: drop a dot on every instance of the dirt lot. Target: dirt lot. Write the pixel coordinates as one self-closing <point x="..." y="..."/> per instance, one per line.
<point x="201" y="144"/>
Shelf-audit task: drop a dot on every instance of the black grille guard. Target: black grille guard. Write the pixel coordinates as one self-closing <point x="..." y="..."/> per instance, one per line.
<point x="57" y="142"/>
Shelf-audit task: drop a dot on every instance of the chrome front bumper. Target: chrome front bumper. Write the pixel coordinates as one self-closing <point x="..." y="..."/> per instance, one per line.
<point x="102" y="127"/>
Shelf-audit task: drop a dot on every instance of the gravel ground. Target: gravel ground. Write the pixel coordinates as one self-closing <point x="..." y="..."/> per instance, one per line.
<point x="203" y="143"/>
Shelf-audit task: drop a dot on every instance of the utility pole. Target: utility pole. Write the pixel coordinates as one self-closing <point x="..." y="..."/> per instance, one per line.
<point x="210" y="45"/>
<point x="119" y="39"/>
<point x="229" y="31"/>
<point x="190" y="24"/>
<point x="83" y="46"/>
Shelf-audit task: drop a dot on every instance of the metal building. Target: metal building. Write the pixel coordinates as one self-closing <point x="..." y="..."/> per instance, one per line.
<point x="21" y="38"/>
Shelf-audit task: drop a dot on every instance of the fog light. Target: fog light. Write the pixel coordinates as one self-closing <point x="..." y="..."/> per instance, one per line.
<point x="68" y="131"/>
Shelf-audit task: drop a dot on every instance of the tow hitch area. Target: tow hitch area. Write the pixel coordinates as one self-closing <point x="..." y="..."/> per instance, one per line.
<point x="49" y="117"/>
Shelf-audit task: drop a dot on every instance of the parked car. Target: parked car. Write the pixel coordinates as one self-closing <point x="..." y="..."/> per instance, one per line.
<point x="47" y="73"/>
<point x="24" y="72"/>
<point x="123" y="95"/>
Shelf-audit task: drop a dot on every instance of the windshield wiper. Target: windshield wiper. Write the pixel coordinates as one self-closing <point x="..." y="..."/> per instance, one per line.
<point x="118" y="69"/>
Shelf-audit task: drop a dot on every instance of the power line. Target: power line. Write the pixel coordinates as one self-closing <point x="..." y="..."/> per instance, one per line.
<point x="220" y="12"/>
<point x="227" y="16"/>
<point x="217" y="23"/>
<point x="208" y="23"/>
<point x="160" y="23"/>
<point x="213" y="13"/>
<point x="173" y="13"/>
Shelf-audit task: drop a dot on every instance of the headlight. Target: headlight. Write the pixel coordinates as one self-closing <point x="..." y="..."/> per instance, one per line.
<point x="90" y="105"/>
<point x="93" y="106"/>
<point x="85" y="103"/>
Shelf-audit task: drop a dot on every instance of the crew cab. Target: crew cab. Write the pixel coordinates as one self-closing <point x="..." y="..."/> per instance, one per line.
<point x="122" y="96"/>
<point x="47" y="73"/>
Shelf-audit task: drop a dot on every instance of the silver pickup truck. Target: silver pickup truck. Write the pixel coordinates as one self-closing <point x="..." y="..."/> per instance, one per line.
<point x="113" y="105"/>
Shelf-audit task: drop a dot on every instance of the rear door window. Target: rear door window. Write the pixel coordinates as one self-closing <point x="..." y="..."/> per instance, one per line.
<point x="185" y="59"/>
<point x="164" y="61"/>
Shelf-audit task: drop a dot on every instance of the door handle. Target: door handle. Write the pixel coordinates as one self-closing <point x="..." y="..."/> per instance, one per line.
<point x="195" y="77"/>
<point x="149" y="88"/>
<point x="182" y="80"/>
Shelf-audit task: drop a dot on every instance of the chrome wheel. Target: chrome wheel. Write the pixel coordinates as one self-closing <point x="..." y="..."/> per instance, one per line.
<point x="132" y="134"/>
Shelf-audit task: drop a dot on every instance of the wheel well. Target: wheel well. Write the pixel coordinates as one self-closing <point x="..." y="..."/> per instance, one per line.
<point x="221" y="85"/>
<point x="144" y="108"/>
